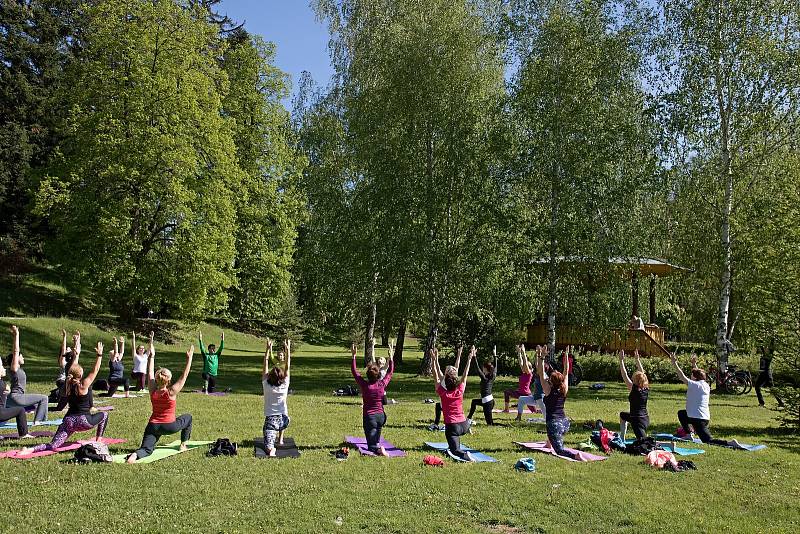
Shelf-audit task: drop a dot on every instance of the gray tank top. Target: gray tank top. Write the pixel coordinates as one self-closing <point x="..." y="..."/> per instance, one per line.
<point x="19" y="380"/>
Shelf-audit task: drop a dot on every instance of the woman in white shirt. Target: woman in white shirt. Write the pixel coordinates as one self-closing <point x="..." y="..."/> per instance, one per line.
<point x="139" y="372"/>
<point x="276" y="387"/>
<point x="697" y="413"/>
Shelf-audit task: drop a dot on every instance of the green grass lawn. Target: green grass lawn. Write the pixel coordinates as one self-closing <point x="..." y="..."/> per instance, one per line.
<point x="732" y="491"/>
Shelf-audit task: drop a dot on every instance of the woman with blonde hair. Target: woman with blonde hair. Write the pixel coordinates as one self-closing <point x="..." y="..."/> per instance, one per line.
<point x="79" y="418"/>
<point x="639" y="389"/>
<point x="163" y="397"/>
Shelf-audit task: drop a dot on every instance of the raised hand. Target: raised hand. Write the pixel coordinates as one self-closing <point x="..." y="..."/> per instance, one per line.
<point x="636" y="353"/>
<point x="152" y="335"/>
<point x="14" y="329"/>
<point x="200" y="335"/>
<point x="693" y="359"/>
<point x="353" y="350"/>
<point x="190" y="352"/>
<point x="622" y="355"/>
<point x="269" y="344"/>
<point x="99" y="348"/>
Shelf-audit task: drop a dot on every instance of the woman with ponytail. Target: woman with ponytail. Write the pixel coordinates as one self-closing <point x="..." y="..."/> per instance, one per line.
<point x="79" y="418"/>
<point x="163" y="397"/>
<point x="555" y="395"/>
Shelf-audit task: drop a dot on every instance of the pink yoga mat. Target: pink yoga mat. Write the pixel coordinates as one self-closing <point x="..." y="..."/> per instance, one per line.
<point x="43" y="434"/>
<point x="69" y="446"/>
<point x="540" y="446"/>
<point x="104" y="408"/>
<point x="361" y="445"/>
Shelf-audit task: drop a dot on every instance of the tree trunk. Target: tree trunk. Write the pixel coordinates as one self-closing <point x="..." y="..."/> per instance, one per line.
<point x="385" y="331"/>
<point x="652" y="297"/>
<point x="369" y="353"/>
<point x="426" y="368"/>
<point x="401" y="340"/>
<point x="726" y="176"/>
<point x="635" y="293"/>
<point x="552" y="300"/>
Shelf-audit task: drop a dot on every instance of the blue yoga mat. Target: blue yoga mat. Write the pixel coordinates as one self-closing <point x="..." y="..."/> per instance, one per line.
<point x="477" y="456"/>
<point x="680" y="451"/>
<point x="670" y="437"/>
<point x="11" y="424"/>
<point x="751" y="448"/>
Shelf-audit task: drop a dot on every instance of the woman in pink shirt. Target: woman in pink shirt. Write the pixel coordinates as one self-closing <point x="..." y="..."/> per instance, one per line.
<point x="451" y="395"/>
<point x="525" y="378"/>
<point x="373" y="390"/>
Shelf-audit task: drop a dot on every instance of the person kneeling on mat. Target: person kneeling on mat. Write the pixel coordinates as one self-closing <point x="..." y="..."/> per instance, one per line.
<point x="17" y="412"/>
<point x="275" y="382"/>
<point x="79" y="416"/>
<point x="697" y="414"/>
<point x="210" y="363"/>
<point x="19" y="383"/>
<point x="488" y="373"/>
<point x="163" y="397"/>
<point x="116" y="370"/>
<point x="639" y="388"/>
<point x="373" y="389"/>
<point x="451" y="396"/>
<point x="555" y="395"/>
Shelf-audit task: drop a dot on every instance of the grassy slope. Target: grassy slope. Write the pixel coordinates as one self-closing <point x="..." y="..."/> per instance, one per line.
<point x="731" y="491"/>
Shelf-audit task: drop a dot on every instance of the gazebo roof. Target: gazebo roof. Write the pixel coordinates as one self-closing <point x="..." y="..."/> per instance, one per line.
<point x="645" y="266"/>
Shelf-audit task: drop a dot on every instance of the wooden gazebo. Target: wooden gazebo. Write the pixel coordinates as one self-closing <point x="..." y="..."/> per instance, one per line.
<point x="649" y="341"/>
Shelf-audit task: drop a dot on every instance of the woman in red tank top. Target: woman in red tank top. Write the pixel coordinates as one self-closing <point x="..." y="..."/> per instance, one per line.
<point x="163" y="397"/>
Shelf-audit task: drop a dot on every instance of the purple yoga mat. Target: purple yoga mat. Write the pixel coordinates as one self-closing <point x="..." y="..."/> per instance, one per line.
<point x="540" y="446"/>
<point x="42" y="434"/>
<point x="361" y="445"/>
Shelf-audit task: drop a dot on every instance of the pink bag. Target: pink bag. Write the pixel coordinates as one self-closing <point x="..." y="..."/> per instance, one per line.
<point x="659" y="459"/>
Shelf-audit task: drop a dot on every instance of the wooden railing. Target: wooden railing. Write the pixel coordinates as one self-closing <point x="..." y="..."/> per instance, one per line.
<point x="650" y="342"/>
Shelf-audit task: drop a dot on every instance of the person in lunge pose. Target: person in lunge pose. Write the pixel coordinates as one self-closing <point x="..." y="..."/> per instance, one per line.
<point x="139" y="373"/>
<point x="79" y="416"/>
<point x="435" y="426"/>
<point x="19" y="381"/>
<point x="210" y="362"/>
<point x="639" y="388"/>
<point x="537" y="396"/>
<point x="116" y="370"/>
<point x="697" y="414"/>
<point x="373" y="389"/>
<point x="163" y="397"/>
<point x="525" y="378"/>
<point x="451" y="395"/>
<point x="488" y="373"/>
<point x="16" y="412"/>
<point x="555" y="395"/>
<point x="275" y="382"/>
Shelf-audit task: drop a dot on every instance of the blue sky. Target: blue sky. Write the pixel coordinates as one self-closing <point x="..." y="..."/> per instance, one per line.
<point x="301" y="41"/>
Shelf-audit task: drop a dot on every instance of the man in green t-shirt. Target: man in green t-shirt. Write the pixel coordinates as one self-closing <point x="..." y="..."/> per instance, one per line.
<point x="210" y="363"/>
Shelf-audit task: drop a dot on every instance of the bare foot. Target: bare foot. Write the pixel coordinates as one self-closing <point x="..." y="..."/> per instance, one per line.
<point x="382" y="451"/>
<point x="27" y="436"/>
<point x="271" y="453"/>
<point x="131" y="459"/>
<point x="127" y="395"/>
<point x="280" y="442"/>
<point x="27" y="451"/>
<point x="183" y="447"/>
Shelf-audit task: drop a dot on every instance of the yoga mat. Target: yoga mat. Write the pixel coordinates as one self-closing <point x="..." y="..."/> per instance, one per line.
<point x="104" y="408"/>
<point x="680" y="451"/>
<point x="538" y="420"/>
<point x="121" y="396"/>
<point x="361" y="445"/>
<point x="214" y="394"/>
<point x="287" y="450"/>
<point x="162" y="451"/>
<point x="42" y="434"/>
<point x="477" y="456"/>
<point x="671" y="437"/>
<point x="69" y="446"/>
<point x="746" y="447"/>
<point x="541" y="446"/>
<point x="13" y="425"/>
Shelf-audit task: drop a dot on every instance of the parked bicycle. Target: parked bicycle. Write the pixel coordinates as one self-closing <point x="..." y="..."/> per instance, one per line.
<point x="734" y="381"/>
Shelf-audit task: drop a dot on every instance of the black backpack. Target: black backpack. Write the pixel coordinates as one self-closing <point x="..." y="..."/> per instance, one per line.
<point x="222" y="447"/>
<point x="642" y="447"/>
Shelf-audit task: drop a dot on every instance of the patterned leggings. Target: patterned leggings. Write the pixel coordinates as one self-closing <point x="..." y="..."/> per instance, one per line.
<point x="75" y="423"/>
<point x="556" y="428"/>
<point x="272" y="425"/>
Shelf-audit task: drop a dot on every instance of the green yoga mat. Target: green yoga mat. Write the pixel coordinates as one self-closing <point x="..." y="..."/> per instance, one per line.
<point x="162" y="451"/>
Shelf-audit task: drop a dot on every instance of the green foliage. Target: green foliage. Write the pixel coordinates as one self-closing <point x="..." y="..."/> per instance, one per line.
<point x="268" y="205"/>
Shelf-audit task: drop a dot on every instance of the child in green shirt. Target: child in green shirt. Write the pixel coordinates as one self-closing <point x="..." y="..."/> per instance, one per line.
<point x="210" y="363"/>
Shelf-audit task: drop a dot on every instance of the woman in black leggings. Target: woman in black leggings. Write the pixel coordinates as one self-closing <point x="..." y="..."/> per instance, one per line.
<point x="639" y="389"/>
<point x="116" y="371"/>
<point x="16" y="412"/>
<point x="487" y="372"/>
